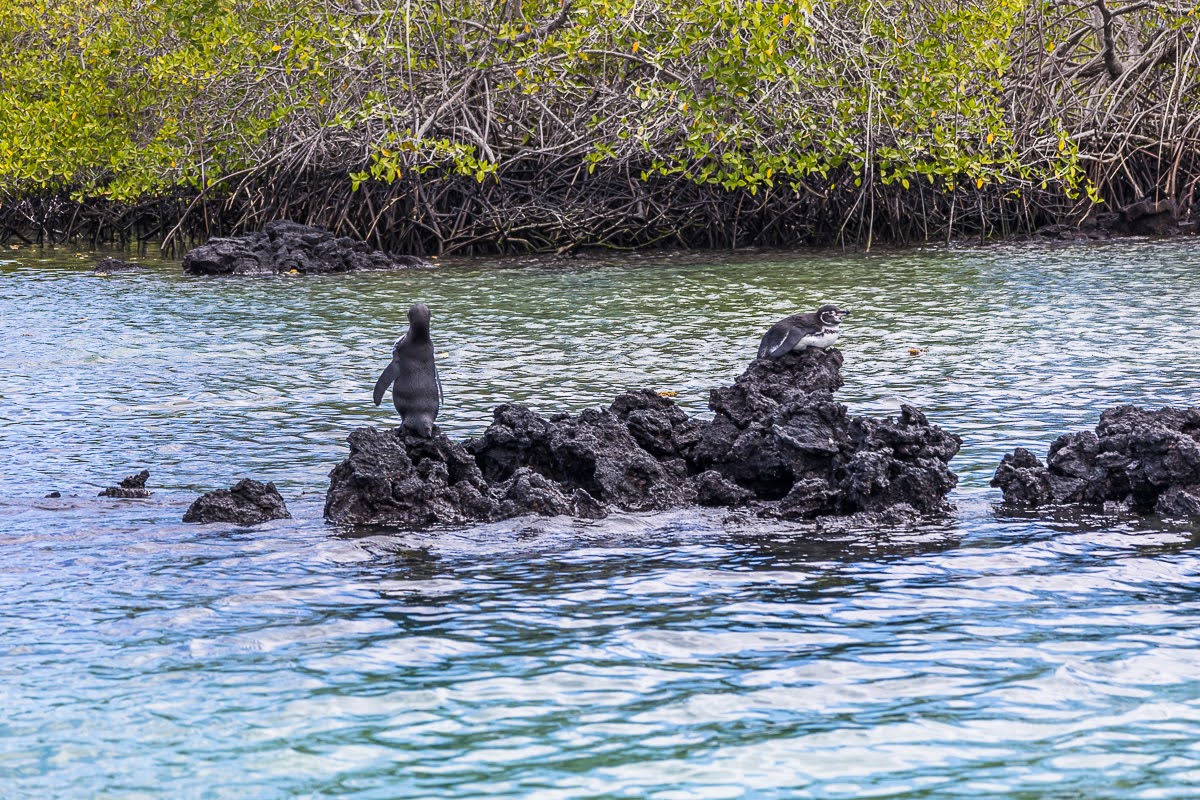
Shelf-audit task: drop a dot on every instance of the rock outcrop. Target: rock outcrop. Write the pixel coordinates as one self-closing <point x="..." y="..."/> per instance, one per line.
<point x="132" y="486"/>
<point x="284" y="246"/>
<point x="779" y="433"/>
<point x="397" y="478"/>
<point x="247" y="502"/>
<point x="1149" y="216"/>
<point x="779" y="445"/>
<point x="1146" y="460"/>
<point x="628" y="456"/>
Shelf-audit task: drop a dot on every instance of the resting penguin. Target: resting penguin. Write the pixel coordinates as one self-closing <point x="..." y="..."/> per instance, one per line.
<point x="416" y="390"/>
<point x="819" y="329"/>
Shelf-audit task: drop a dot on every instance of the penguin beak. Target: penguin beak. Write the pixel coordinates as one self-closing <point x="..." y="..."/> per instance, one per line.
<point x="843" y="313"/>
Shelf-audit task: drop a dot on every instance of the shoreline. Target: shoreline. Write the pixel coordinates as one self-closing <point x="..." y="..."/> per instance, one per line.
<point x="176" y="224"/>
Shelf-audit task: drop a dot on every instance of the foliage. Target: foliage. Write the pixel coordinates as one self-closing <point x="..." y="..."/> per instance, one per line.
<point x="124" y="99"/>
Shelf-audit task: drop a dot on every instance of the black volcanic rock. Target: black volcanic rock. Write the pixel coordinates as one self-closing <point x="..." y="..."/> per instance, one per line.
<point x="895" y="462"/>
<point x="132" y="486"/>
<point x="529" y="492"/>
<point x="779" y="433"/>
<point x="778" y="443"/>
<point x="284" y="246"/>
<point x="1024" y="479"/>
<point x="402" y="480"/>
<point x="247" y="502"/>
<point x="712" y="489"/>
<point x="1148" y="460"/>
<point x="766" y="384"/>
<point x="517" y="437"/>
<point x="595" y="452"/>
<point x="658" y="425"/>
<point x="1179" y="501"/>
<point x="1148" y="217"/>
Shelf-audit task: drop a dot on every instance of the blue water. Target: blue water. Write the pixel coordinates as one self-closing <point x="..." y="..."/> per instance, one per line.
<point x="691" y="654"/>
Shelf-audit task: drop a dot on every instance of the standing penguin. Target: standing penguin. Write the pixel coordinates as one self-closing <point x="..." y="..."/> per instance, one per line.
<point x="819" y="329"/>
<point x="416" y="390"/>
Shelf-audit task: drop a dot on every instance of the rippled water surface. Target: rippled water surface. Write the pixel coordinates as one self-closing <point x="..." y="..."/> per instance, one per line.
<point x="681" y="655"/>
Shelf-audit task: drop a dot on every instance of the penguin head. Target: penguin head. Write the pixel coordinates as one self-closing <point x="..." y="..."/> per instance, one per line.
<point x="418" y="320"/>
<point x="831" y="315"/>
<point x="418" y="314"/>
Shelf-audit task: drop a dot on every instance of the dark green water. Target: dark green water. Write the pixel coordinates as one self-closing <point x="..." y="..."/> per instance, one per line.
<point x="668" y="656"/>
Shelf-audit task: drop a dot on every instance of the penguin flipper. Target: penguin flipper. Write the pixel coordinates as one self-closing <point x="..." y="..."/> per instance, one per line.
<point x="386" y="379"/>
<point x="774" y="344"/>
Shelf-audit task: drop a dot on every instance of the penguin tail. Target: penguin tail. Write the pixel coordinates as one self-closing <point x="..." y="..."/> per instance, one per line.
<point x="775" y="346"/>
<point x="386" y="379"/>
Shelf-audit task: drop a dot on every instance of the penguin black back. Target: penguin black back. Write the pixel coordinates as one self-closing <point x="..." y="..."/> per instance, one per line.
<point x="799" y="331"/>
<point x="412" y="374"/>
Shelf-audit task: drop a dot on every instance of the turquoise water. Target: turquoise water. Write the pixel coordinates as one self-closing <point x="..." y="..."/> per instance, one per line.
<point x="680" y="655"/>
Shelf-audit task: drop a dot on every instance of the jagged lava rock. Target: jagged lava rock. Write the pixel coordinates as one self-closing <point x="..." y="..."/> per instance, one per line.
<point x="778" y="433"/>
<point x="713" y="489"/>
<point x="628" y="455"/>
<point x="1024" y="479"/>
<point x="659" y="426"/>
<point x="247" y="502"/>
<point x="1148" y="460"/>
<point x="530" y="492"/>
<point x="399" y="479"/>
<point x="284" y="246"/>
<point x="768" y="383"/>
<point x="132" y="486"/>
<point x="778" y="443"/>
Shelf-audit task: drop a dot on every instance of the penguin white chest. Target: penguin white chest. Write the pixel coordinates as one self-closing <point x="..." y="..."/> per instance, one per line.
<point x="822" y="339"/>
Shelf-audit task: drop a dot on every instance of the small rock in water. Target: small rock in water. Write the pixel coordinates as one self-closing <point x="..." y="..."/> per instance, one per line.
<point x="110" y="266"/>
<point x="1147" y="461"/>
<point x="54" y="494"/>
<point x="132" y="486"/>
<point x="1024" y="479"/>
<point x="247" y="502"/>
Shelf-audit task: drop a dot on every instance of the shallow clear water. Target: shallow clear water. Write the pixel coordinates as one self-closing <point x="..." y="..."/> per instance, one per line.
<point x="681" y="655"/>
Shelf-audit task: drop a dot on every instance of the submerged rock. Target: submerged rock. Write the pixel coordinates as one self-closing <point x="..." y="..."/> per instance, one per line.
<point x="1144" y="460"/>
<point x="132" y="486"/>
<point x="778" y="444"/>
<point x="110" y="266"/>
<point x="247" y="502"/>
<point x="284" y="246"/>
